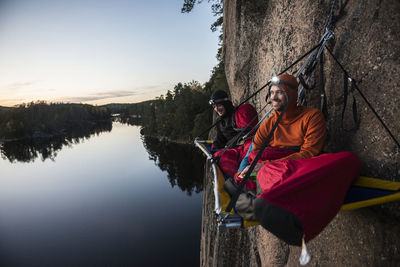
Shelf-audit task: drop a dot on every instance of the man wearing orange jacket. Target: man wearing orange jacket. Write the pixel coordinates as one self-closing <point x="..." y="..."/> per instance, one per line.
<point x="297" y="191"/>
<point x="301" y="132"/>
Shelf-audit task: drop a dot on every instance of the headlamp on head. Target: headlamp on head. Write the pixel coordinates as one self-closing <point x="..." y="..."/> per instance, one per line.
<point x="275" y="79"/>
<point x="218" y="101"/>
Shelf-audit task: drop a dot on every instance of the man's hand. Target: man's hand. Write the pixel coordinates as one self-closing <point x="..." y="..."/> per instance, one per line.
<point x="256" y="169"/>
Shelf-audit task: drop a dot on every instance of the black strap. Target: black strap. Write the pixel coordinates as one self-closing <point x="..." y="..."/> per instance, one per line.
<point x="208" y="129"/>
<point x="355" y="113"/>
<point x="332" y="17"/>
<point x="241" y="131"/>
<point x="354" y="105"/>
<point x="365" y="99"/>
<point x="310" y="68"/>
<point x="303" y="82"/>
<point x="322" y="92"/>
<point x="345" y="93"/>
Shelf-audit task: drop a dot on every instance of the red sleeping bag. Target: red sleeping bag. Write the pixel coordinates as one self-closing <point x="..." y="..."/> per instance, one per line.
<point x="300" y="197"/>
<point x="230" y="159"/>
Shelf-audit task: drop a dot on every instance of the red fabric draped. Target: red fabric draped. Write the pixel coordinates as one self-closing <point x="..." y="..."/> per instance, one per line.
<point x="230" y="160"/>
<point x="312" y="189"/>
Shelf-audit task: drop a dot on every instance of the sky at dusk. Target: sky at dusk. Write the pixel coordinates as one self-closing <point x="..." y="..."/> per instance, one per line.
<point x="98" y="52"/>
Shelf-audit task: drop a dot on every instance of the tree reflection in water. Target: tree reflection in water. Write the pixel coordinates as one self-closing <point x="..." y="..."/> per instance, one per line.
<point x="183" y="163"/>
<point x="27" y="150"/>
<point x="134" y="121"/>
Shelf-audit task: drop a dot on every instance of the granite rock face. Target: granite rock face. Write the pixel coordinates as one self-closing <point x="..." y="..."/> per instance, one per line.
<point x="261" y="38"/>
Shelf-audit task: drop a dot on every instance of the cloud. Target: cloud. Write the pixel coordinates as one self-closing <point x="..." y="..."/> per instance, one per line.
<point x="12" y="101"/>
<point x="98" y="96"/>
<point x="139" y="93"/>
<point x="149" y="90"/>
<point x="19" y="85"/>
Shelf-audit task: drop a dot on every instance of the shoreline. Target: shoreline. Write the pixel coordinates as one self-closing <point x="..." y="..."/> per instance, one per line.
<point x="169" y="140"/>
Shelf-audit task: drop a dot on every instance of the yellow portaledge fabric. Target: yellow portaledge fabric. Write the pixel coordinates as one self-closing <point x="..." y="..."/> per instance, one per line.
<point x="377" y="183"/>
<point x="224" y="198"/>
<point x="361" y="181"/>
<point x="371" y="202"/>
<point x="250" y="223"/>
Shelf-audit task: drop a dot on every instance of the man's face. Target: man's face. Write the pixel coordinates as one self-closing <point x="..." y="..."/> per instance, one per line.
<point x="219" y="108"/>
<point x="278" y="98"/>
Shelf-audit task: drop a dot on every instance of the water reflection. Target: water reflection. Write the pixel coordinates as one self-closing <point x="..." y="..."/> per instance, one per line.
<point x="92" y="207"/>
<point x="183" y="163"/>
<point x="28" y="150"/>
<point x="130" y="120"/>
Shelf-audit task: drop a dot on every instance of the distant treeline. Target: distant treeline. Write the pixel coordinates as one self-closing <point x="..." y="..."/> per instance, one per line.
<point x="41" y="119"/>
<point x="181" y="114"/>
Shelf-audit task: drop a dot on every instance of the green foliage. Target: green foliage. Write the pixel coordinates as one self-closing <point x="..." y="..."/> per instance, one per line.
<point x="43" y="119"/>
<point x="174" y="116"/>
<point x="181" y="114"/>
<point x="216" y="6"/>
<point x="200" y="121"/>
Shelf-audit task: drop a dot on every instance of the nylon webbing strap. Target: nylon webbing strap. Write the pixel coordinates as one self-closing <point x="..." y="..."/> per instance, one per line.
<point x="365" y="99"/>
<point x="303" y="82"/>
<point x="253" y="94"/>
<point x="355" y="113"/>
<point x="323" y="104"/>
<point x="259" y="122"/>
<point x="330" y="21"/>
<point x="345" y="99"/>
<point x="233" y="141"/>
<point x="208" y="129"/>
<point x="345" y="93"/>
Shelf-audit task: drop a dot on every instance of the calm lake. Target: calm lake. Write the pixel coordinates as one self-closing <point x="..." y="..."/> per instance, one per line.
<point x="109" y="198"/>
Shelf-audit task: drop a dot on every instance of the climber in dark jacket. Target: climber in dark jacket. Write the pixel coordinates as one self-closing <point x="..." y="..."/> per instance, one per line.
<point x="232" y="123"/>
